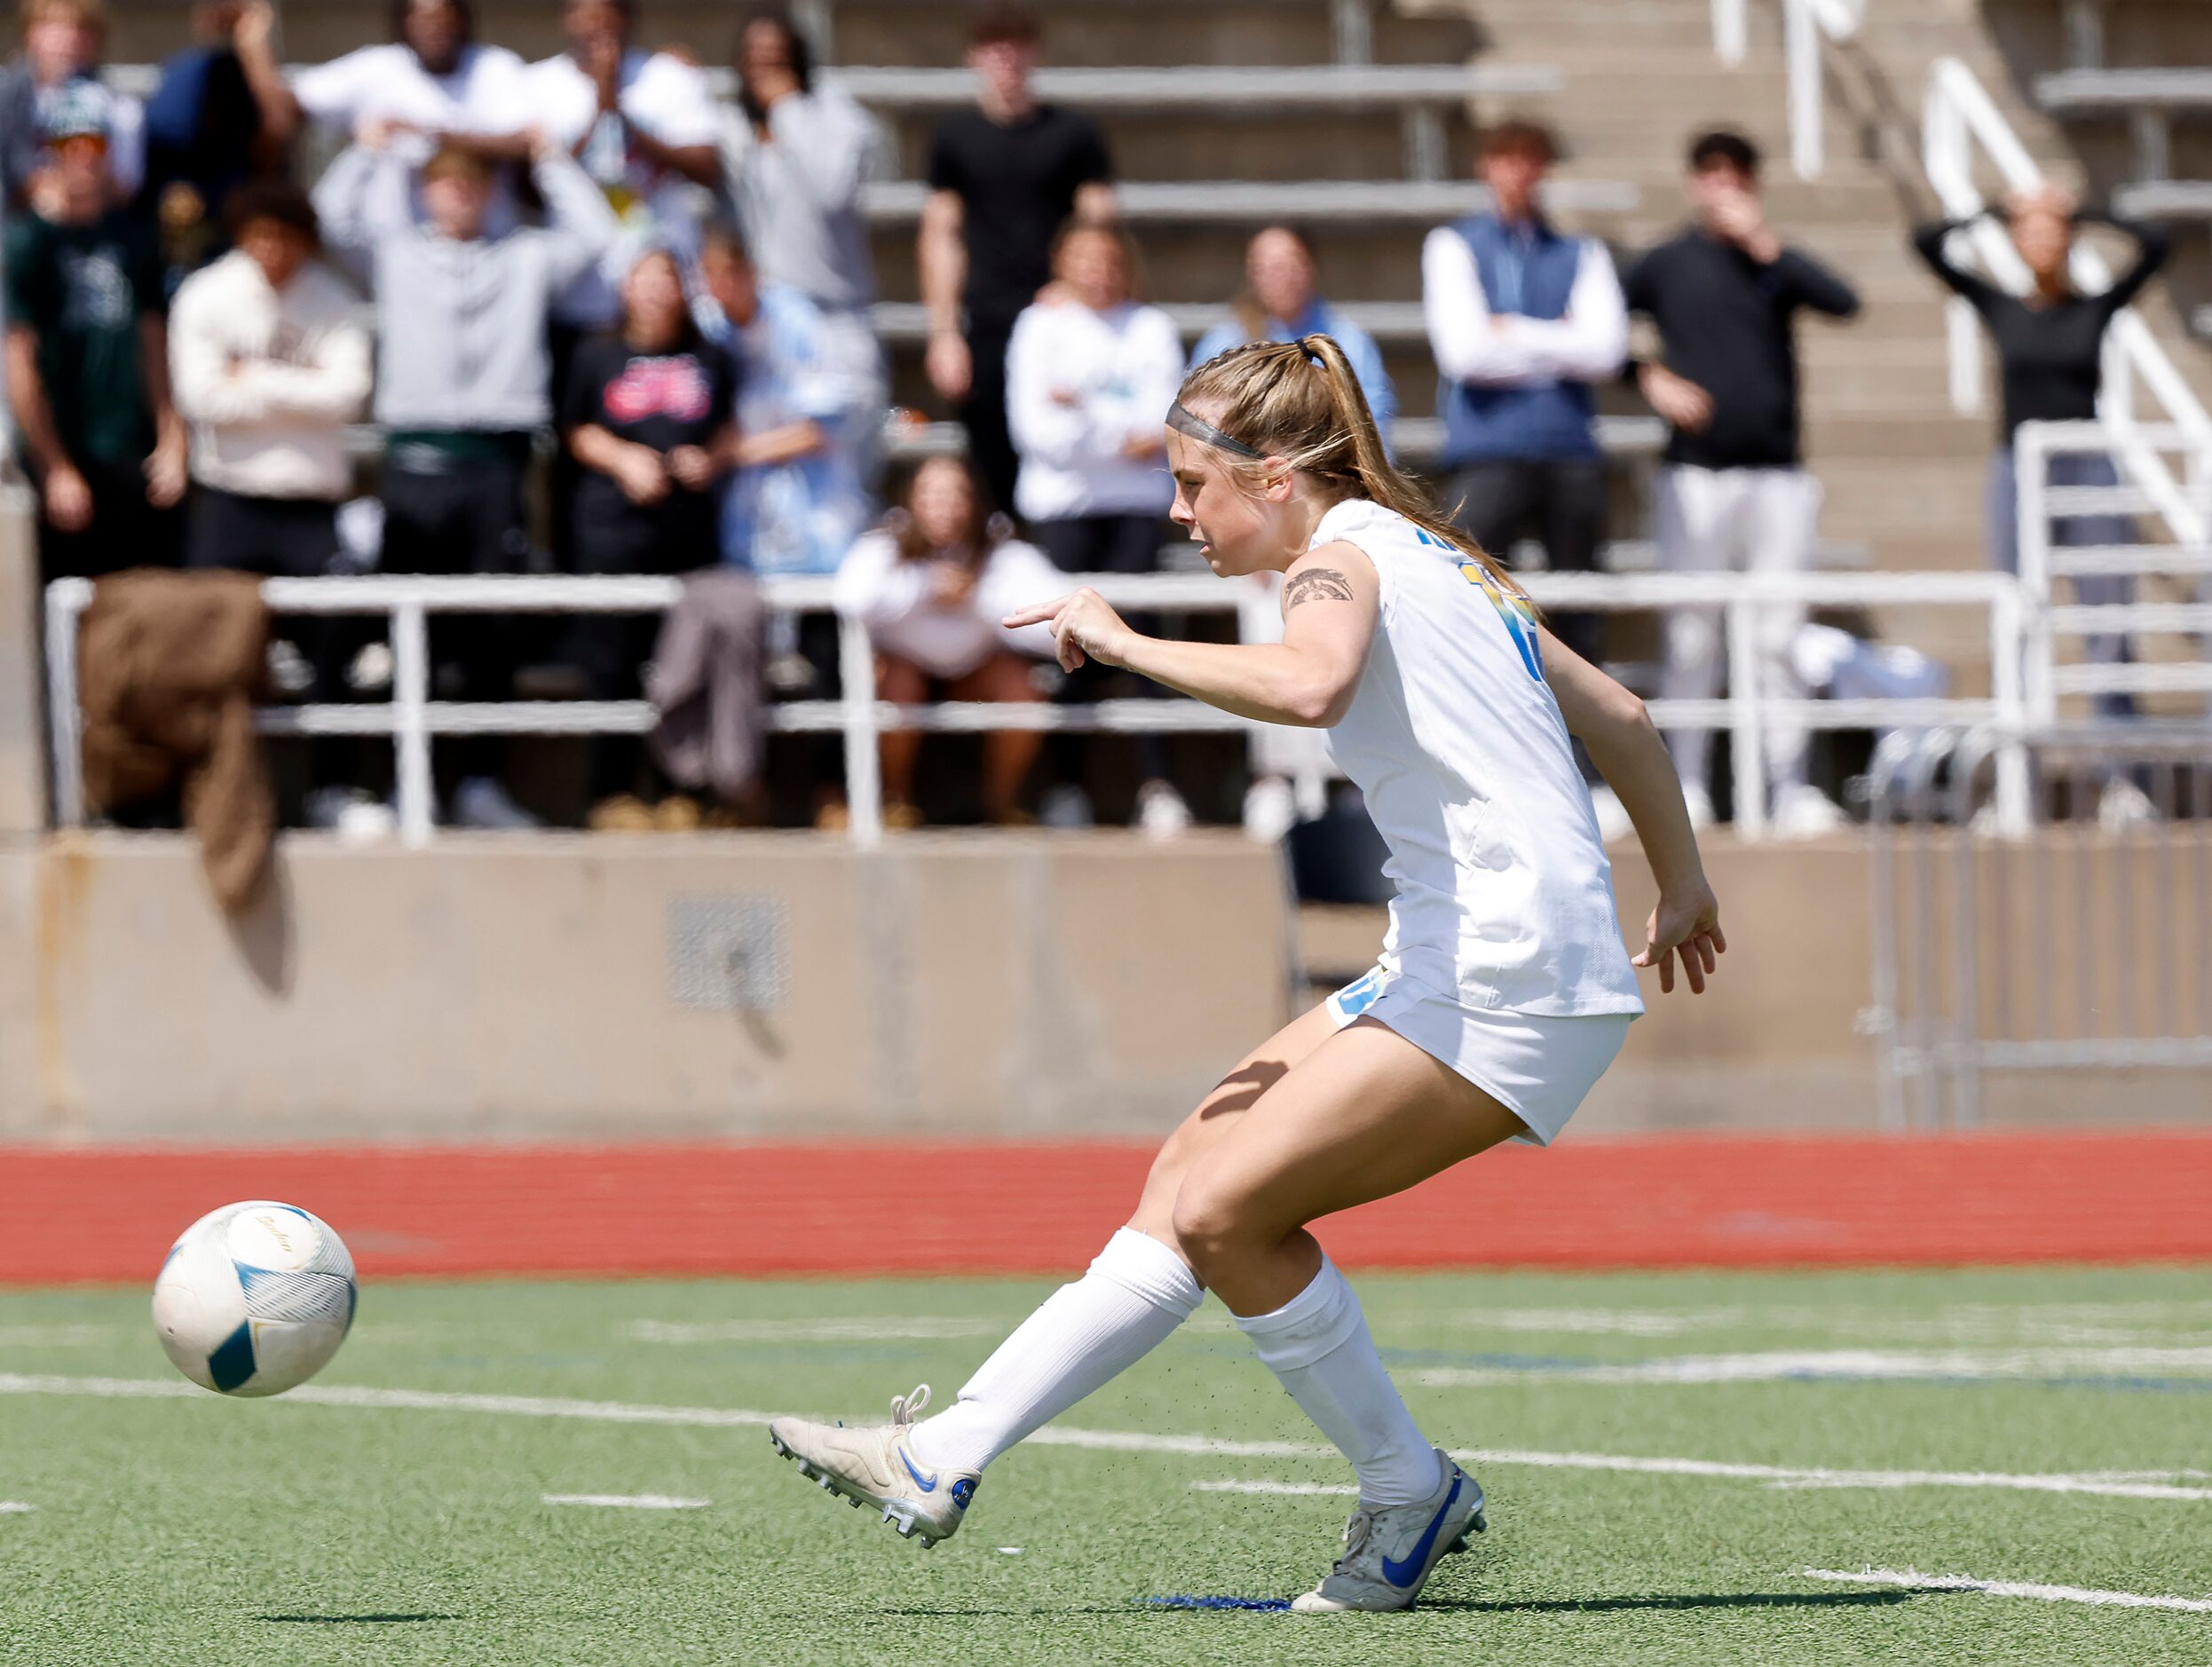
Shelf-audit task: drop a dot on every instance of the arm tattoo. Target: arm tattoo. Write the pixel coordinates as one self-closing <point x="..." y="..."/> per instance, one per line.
<point x="1317" y="584"/>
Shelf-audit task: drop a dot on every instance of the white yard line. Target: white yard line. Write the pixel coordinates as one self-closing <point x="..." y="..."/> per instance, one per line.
<point x="627" y="1501"/>
<point x="14" y="1507"/>
<point x="1300" y="1490"/>
<point x="1912" y="1581"/>
<point x="1780" y="1365"/>
<point x="921" y="1327"/>
<point x="1132" y="1441"/>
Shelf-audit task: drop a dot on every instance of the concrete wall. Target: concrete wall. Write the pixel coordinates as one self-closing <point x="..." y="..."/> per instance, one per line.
<point x="741" y="985"/>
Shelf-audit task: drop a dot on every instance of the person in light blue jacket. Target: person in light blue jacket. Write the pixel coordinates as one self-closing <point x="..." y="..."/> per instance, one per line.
<point x="1280" y="304"/>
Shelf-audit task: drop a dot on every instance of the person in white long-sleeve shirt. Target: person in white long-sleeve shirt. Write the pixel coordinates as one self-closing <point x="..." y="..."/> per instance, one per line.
<point x="268" y="364"/>
<point x="1089" y="376"/>
<point x="1524" y="321"/>
<point x="932" y="584"/>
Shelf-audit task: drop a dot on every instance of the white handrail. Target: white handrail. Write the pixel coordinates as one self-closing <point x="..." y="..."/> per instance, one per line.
<point x="411" y="718"/>
<point x="1959" y="113"/>
<point x="1803" y="22"/>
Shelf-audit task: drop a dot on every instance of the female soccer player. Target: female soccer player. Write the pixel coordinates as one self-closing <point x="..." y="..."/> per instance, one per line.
<point x="1503" y="992"/>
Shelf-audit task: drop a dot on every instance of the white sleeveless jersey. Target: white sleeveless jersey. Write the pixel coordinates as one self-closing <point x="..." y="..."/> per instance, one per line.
<point x="1505" y="897"/>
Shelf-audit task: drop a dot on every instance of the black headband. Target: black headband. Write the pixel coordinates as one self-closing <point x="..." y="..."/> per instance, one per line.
<point x="1199" y="429"/>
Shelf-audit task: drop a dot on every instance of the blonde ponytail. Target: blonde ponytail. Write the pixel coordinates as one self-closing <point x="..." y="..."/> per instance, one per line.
<point x="1276" y="399"/>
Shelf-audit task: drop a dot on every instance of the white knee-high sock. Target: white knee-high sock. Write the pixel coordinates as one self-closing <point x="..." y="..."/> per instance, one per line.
<point x="1137" y="1291"/>
<point x="1317" y="1344"/>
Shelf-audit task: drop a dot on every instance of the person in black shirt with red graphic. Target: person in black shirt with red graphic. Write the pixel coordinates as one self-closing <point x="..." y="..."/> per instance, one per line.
<point x="1004" y="177"/>
<point x="647" y="419"/>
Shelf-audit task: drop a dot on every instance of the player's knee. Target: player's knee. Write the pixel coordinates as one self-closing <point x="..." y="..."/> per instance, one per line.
<point x="1209" y="1225"/>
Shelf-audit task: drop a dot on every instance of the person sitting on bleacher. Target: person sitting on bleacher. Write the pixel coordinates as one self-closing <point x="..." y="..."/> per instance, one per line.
<point x="464" y="381"/>
<point x="931" y="584"/>
<point x="433" y="87"/>
<point x="2051" y="359"/>
<point x="1281" y="302"/>
<point x="1089" y="374"/>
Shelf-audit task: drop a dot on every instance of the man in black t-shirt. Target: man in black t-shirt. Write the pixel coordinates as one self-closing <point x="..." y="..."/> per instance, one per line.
<point x="1733" y="493"/>
<point x="88" y="358"/>
<point x="1003" y="179"/>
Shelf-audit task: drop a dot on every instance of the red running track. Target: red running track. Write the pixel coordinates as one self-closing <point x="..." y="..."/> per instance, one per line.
<point x="1682" y="1201"/>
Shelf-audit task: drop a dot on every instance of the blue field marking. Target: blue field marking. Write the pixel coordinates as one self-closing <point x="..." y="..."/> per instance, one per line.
<point x="1183" y="1602"/>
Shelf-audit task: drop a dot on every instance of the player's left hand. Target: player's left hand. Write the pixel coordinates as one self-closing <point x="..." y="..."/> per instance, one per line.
<point x="1083" y="627"/>
<point x="1687" y="925"/>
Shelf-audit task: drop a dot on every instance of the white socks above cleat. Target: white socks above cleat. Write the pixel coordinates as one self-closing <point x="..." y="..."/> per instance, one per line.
<point x="1317" y="1344"/>
<point x="1084" y="1335"/>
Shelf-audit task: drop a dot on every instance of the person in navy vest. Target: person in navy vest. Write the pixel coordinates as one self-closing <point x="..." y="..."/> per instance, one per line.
<point x="1523" y="320"/>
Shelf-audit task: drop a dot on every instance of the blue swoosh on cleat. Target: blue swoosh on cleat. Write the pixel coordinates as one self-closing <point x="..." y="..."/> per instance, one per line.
<point x="1404" y="1574"/>
<point x="930" y="1484"/>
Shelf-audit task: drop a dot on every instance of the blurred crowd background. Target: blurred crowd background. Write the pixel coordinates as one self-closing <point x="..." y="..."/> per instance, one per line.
<point x="592" y="320"/>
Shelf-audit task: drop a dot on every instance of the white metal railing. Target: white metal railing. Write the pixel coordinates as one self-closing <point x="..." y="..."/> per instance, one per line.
<point x="411" y="718"/>
<point x="1803" y="22"/>
<point x="1959" y="116"/>
<point x="2044" y="562"/>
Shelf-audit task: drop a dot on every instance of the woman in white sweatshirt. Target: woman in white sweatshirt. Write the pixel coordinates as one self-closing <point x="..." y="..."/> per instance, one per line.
<point x="931" y="584"/>
<point x="1089" y="371"/>
<point x="1088" y="374"/>
<point x="268" y="362"/>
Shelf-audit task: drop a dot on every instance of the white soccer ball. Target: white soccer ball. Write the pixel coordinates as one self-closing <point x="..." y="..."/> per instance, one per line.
<point x="253" y="1298"/>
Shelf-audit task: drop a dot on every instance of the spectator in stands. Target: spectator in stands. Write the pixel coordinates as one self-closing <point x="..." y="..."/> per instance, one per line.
<point x="795" y="503"/>
<point x="220" y="116"/>
<point x="1088" y="379"/>
<point x="88" y="356"/>
<point x="1090" y="374"/>
<point x="647" y="415"/>
<point x="432" y="89"/>
<point x="462" y="381"/>
<point x="1524" y="321"/>
<point x="62" y="42"/>
<point x="1732" y="492"/>
<point x="2051" y="359"/>
<point x="1004" y="177"/>
<point x="932" y="584"/>
<point x="644" y="126"/>
<point x="797" y="153"/>
<point x="806" y="419"/>
<point x="270" y="363"/>
<point x="1281" y="302"/>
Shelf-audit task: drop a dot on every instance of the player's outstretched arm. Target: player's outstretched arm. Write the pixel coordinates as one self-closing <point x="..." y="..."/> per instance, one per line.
<point x="1330" y="598"/>
<point x="1612" y="724"/>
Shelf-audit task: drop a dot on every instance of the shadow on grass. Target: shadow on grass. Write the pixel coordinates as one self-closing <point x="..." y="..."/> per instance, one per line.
<point x="355" y="1620"/>
<point x="1681" y="1600"/>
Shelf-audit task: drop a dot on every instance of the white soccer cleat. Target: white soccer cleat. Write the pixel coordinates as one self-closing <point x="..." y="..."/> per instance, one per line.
<point x="1389" y="1553"/>
<point x="875" y="1467"/>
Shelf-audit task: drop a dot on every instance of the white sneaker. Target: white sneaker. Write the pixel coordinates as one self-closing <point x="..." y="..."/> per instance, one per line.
<point x="1612" y="823"/>
<point x="1699" y="805"/>
<point x="1270" y="809"/>
<point x="356" y="817"/>
<point x="875" y="1466"/>
<point x="2123" y="805"/>
<point x="1161" y="812"/>
<point x="1066" y="806"/>
<point x="481" y="802"/>
<point x="1802" y="811"/>
<point x="1388" y="1553"/>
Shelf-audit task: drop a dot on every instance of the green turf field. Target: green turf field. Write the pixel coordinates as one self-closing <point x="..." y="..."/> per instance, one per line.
<point x="1887" y="1420"/>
